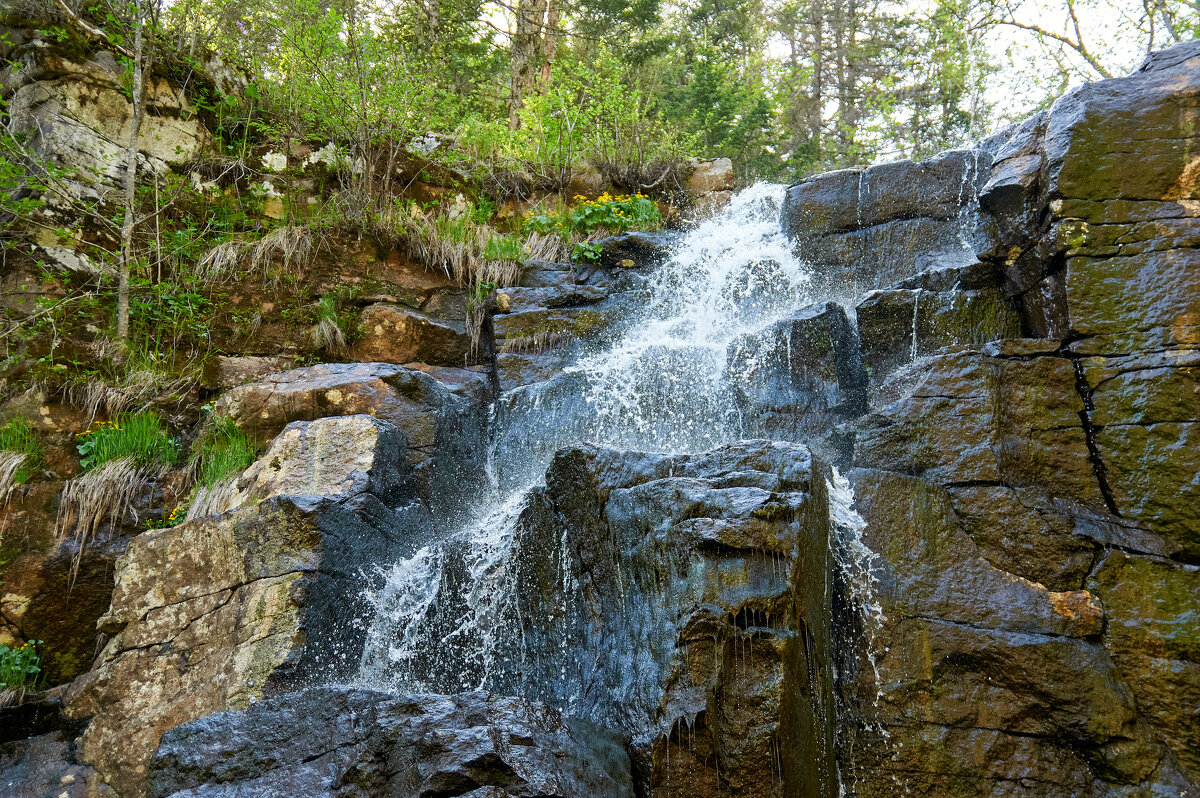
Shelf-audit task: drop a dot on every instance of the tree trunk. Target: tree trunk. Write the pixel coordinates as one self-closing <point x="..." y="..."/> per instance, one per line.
<point x="550" y="40"/>
<point x="525" y="58"/>
<point x="818" y="86"/>
<point x="131" y="160"/>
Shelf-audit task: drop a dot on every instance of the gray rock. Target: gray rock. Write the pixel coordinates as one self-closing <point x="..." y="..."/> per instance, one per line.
<point x="338" y="741"/>
<point x="444" y="430"/>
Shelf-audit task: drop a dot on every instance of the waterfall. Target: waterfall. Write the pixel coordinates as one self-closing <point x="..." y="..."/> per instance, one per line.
<point x="660" y="384"/>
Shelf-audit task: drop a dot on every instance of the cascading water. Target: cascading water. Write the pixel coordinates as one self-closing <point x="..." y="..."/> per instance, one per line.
<point x="660" y="386"/>
<point x="663" y="384"/>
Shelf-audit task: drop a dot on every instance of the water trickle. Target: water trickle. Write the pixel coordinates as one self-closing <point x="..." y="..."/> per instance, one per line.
<point x="916" y="307"/>
<point x="857" y="562"/>
<point x="968" y="199"/>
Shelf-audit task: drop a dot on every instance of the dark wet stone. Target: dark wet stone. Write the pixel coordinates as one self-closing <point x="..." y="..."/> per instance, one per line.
<point x="350" y="743"/>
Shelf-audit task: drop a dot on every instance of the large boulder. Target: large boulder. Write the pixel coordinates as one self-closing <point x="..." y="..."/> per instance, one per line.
<point x="395" y="334"/>
<point x="444" y="429"/>
<point x="396" y="747"/>
<point x="221" y="611"/>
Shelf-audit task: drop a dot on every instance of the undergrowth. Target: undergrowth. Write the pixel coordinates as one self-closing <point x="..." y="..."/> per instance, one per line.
<point x="20" y="670"/>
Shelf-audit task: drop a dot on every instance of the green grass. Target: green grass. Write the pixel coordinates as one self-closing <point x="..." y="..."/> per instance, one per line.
<point x="504" y="248"/>
<point x="222" y="451"/>
<point x="142" y="436"/>
<point x="18" y="436"/>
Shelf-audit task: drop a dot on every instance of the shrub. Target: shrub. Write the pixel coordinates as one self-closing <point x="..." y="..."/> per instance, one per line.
<point x="141" y="437"/>
<point x="623" y="212"/>
<point x="18" y="438"/>
<point x="608" y="212"/>
<point x="20" y="668"/>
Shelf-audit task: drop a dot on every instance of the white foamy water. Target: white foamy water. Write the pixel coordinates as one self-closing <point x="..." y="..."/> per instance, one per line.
<point x="662" y="385"/>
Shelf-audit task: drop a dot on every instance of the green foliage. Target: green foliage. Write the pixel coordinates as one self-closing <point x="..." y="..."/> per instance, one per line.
<point x="20" y="667"/>
<point x="614" y="213"/>
<point x="622" y="212"/>
<point x="586" y="253"/>
<point x="592" y="111"/>
<point x="480" y="293"/>
<point x="142" y="436"/>
<point x="221" y="451"/>
<point x="18" y="436"/>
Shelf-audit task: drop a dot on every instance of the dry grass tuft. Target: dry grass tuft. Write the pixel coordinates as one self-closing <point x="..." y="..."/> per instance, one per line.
<point x="547" y="246"/>
<point x="135" y="393"/>
<point x="10" y="464"/>
<point x="104" y="494"/>
<point x="291" y="247"/>
<point x="11" y="696"/>
<point x="222" y="263"/>
<point x="214" y="499"/>
<point x="328" y="336"/>
<point x="468" y="252"/>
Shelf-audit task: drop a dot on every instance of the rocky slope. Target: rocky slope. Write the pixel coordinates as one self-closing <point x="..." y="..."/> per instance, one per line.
<point x="1008" y="381"/>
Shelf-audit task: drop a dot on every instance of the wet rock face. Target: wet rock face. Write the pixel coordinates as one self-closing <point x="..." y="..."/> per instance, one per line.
<point x="870" y="228"/>
<point x="218" y="612"/>
<point x="682" y="600"/>
<point x="470" y="744"/>
<point x="800" y="377"/>
<point x="1031" y="501"/>
<point x="560" y="309"/>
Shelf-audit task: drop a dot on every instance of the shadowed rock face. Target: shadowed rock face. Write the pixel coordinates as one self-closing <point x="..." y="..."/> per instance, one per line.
<point x="466" y="744"/>
<point x="1031" y="501"/>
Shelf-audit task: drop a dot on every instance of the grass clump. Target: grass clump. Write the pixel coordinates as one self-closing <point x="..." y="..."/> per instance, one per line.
<point x="459" y="242"/>
<point x="222" y="451"/>
<point x="219" y="456"/>
<point x="327" y="333"/>
<point x="20" y="454"/>
<point x="141" y="437"/>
